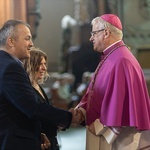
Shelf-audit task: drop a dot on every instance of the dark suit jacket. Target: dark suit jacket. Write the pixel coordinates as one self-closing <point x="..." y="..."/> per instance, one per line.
<point x="21" y="112"/>
<point x="49" y="130"/>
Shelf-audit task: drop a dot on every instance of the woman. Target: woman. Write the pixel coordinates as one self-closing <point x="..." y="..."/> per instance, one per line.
<point x="36" y="67"/>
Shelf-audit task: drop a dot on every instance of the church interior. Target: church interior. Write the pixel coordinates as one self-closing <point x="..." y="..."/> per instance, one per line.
<point x="61" y="28"/>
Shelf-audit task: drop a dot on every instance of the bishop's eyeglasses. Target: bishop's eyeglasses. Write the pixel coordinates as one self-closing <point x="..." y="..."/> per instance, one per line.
<point x="96" y="32"/>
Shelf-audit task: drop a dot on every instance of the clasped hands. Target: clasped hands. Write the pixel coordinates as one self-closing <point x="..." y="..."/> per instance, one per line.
<point x="77" y="116"/>
<point x="77" y="119"/>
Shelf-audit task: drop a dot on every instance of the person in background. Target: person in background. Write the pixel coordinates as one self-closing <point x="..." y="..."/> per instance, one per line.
<point x="62" y="90"/>
<point x="116" y="106"/>
<point x="81" y="89"/>
<point x="36" y="67"/>
<point x="21" y="111"/>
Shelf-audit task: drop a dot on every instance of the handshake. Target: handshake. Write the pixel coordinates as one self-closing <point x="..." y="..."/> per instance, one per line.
<point x="77" y="116"/>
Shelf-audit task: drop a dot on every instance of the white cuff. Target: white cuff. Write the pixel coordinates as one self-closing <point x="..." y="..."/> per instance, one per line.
<point x="110" y="136"/>
<point x="83" y="111"/>
<point x="100" y="129"/>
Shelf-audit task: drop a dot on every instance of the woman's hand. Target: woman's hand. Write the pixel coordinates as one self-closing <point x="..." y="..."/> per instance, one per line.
<point x="45" y="144"/>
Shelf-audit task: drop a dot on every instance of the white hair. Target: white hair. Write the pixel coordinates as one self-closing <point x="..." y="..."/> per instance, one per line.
<point x="100" y="22"/>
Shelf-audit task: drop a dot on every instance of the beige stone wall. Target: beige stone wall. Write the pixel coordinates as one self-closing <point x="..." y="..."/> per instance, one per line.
<point x="49" y="30"/>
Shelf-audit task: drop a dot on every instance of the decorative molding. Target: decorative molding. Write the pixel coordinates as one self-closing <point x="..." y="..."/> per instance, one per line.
<point x="144" y="7"/>
<point x="137" y="38"/>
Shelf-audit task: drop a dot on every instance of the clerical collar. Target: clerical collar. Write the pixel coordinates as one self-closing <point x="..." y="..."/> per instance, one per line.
<point x="111" y="45"/>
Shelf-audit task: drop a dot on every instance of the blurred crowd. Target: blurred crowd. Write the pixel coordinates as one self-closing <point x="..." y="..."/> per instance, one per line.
<point x="62" y="92"/>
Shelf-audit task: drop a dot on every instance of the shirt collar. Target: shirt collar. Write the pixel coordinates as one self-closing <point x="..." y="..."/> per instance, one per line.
<point x="15" y="58"/>
<point x="18" y="60"/>
<point x="108" y="49"/>
<point x="111" y="45"/>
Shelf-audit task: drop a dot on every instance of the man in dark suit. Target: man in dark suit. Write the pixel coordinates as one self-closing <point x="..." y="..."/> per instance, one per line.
<point x="21" y="113"/>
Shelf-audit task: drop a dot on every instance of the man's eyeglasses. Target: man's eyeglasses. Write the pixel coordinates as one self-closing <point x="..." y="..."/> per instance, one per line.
<point x="95" y="32"/>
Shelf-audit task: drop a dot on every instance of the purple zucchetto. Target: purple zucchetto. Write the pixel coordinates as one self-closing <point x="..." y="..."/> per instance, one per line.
<point x="112" y="19"/>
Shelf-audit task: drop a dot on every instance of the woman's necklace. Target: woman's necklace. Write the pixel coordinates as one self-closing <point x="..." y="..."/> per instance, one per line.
<point x="37" y="87"/>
